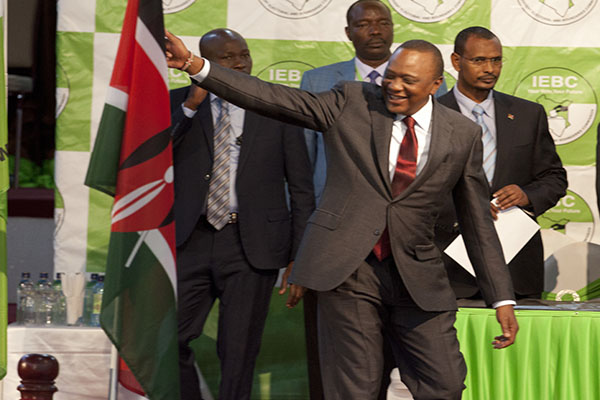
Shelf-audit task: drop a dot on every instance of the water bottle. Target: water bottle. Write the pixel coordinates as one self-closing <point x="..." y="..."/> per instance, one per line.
<point x="59" y="316"/>
<point x="25" y="300"/>
<point x="44" y="300"/>
<point x="88" y="302"/>
<point x="97" y="301"/>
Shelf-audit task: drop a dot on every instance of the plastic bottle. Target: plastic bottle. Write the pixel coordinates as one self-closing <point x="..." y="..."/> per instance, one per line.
<point x="25" y="300"/>
<point x="44" y="300"/>
<point x="97" y="301"/>
<point x="59" y="316"/>
<point x="88" y="302"/>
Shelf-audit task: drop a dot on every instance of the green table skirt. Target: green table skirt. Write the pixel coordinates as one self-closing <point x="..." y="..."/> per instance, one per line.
<point x="556" y="356"/>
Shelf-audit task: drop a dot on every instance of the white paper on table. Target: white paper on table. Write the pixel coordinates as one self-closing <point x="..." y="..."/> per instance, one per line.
<point x="514" y="229"/>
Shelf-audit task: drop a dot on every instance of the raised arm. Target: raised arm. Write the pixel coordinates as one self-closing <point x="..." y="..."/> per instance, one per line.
<point x="290" y="105"/>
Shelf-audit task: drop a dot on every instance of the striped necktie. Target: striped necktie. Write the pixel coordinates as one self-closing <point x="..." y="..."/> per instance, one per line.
<point x="489" y="144"/>
<point x="218" y="191"/>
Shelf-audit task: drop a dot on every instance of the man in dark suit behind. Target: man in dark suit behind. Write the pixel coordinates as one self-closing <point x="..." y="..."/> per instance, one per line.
<point x="237" y="263"/>
<point x="520" y="159"/>
<point x="368" y="248"/>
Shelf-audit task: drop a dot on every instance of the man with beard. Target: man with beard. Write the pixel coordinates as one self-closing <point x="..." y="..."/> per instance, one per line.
<point x="519" y="160"/>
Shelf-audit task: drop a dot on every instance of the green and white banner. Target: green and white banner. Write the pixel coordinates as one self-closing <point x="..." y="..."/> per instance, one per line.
<point x="4" y="184"/>
<point x="552" y="48"/>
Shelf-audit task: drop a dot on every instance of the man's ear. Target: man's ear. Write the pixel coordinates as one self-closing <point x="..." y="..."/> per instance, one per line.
<point x="436" y="84"/>
<point x="347" y="30"/>
<point x="455" y="58"/>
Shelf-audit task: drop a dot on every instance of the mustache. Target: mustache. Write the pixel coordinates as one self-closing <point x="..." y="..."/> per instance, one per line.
<point x="375" y="41"/>
<point x="488" y="76"/>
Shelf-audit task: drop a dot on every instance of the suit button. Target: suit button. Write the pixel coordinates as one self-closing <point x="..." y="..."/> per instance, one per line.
<point x="376" y="232"/>
<point x="455" y="225"/>
<point x="207" y="177"/>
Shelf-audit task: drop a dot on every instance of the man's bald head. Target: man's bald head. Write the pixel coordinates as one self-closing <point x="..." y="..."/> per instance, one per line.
<point x="226" y="48"/>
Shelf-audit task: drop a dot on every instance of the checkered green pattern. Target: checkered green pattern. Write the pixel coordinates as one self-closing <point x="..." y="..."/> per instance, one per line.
<point x="551" y="51"/>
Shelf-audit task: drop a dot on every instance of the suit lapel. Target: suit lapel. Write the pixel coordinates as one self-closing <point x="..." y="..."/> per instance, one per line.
<point x="204" y="117"/>
<point x="250" y="126"/>
<point x="505" y="129"/>
<point x="440" y="141"/>
<point x="382" y="123"/>
<point x="347" y="72"/>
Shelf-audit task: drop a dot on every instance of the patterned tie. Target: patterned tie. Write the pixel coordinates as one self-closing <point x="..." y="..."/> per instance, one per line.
<point x="489" y="144"/>
<point x="218" y="191"/>
<point x="373" y="75"/>
<point x="404" y="174"/>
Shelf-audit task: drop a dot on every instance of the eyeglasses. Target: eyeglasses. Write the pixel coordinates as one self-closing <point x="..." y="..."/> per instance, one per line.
<point x="480" y="61"/>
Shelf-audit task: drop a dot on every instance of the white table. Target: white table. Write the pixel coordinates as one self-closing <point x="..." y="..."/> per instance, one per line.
<point x="83" y="355"/>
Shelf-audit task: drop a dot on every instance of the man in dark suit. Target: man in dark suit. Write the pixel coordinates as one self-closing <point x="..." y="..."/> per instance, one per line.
<point x="237" y="258"/>
<point x="368" y="248"/>
<point x="520" y="159"/>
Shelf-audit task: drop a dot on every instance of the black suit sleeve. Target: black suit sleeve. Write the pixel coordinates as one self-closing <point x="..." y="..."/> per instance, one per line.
<point x="298" y="173"/>
<point x="180" y="124"/>
<point x="549" y="181"/>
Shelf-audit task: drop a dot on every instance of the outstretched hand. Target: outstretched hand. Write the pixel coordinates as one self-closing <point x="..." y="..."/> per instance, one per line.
<point x="296" y="291"/>
<point x="177" y="55"/>
<point x="508" y="322"/>
<point x="176" y="52"/>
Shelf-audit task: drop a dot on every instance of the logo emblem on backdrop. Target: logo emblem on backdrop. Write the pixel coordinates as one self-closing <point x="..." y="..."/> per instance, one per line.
<point x="288" y="73"/>
<point x="173" y="6"/>
<point x="295" y="9"/>
<point x="571" y="216"/>
<point x="427" y="10"/>
<point x="62" y="89"/>
<point x="557" y="12"/>
<point x="568" y="99"/>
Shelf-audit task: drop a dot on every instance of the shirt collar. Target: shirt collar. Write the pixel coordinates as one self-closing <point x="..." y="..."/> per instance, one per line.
<point x="466" y="103"/>
<point x="364" y="70"/>
<point x="421" y="117"/>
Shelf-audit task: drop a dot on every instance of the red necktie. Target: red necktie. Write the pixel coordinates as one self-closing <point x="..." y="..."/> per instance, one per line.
<point x="404" y="174"/>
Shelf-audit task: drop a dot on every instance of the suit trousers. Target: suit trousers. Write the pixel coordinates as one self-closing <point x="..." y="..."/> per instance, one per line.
<point x="355" y="316"/>
<point x="211" y="265"/>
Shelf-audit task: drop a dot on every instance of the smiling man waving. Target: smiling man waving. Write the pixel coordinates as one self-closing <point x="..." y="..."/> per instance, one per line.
<point x="394" y="154"/>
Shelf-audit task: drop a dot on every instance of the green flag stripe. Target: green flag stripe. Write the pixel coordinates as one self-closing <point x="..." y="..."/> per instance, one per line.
<point x="104" y="161"/>
<point x="139" y="313"/>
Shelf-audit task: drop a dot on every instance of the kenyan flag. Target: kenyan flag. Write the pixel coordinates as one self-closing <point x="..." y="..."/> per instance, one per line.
<point x="132" y="161"/>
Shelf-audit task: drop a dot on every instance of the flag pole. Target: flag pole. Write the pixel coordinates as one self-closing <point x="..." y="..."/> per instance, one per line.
<point x="114" y="374"/>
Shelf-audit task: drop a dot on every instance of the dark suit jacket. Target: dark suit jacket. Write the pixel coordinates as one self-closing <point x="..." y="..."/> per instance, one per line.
<point x="526" y="156"/>
<point x="357" y="203"/>
<point x="319" y="80"/>
<point x="271" y="154"/>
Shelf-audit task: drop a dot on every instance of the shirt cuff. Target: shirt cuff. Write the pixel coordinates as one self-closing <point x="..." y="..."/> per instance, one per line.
<point x="504" y="303"/>
<point x="188" y="112"/>
<point x="200" y="76"/>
